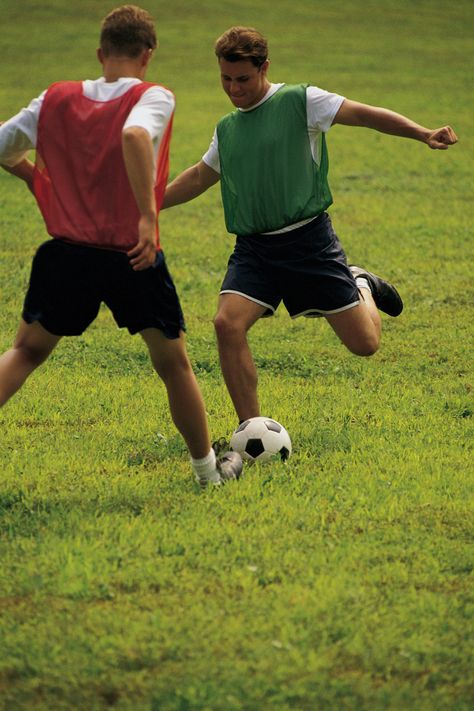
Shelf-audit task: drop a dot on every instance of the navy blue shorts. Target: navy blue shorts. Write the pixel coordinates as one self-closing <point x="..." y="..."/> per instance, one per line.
<point x="68" y="282"/>
<point x="305" y="268"/>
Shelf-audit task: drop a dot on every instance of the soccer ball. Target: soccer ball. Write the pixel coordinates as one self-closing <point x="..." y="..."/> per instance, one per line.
<point x="260" y="439"/>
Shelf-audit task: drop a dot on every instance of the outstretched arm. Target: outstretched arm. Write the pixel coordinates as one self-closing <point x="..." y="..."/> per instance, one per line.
<point x="189" y="184"/>
<point x="353" y="113"/>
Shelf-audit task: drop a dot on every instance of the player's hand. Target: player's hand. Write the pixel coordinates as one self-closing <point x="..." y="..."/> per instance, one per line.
<point x="441" y="138"/>
<point x="143" y="255"/>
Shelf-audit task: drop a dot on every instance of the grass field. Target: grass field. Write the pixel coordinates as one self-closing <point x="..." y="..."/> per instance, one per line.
<point x="339" y="580"/>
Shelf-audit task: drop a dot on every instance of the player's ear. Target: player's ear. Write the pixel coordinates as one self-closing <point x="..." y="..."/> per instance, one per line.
<point x="146" y="56"/>
<point x="100" y="55"/>
<point x="264" y="67"/>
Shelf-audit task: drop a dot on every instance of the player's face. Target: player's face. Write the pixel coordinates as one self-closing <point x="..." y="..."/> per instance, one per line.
<point x="243" y="82"/>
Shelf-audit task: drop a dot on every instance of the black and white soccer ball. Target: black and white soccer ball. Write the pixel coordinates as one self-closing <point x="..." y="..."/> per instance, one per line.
<point x="260" y="439"/>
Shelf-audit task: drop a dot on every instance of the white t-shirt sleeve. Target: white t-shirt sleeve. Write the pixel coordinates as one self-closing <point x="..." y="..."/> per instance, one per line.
<point x="321" y="108"/>
<point x="18" y="135"/>
<point x="152" y="112"/>
<point x="211" y="157"/>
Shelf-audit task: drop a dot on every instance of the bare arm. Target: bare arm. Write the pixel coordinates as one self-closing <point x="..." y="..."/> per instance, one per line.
<point x="23" y="170"/>
<point x="353" y="113"/>
<point x="189" y="184"/>
<point x="137" y="149"/>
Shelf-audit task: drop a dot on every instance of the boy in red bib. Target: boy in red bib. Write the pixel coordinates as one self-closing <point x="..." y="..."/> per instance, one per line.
<point x="102" y="155"/>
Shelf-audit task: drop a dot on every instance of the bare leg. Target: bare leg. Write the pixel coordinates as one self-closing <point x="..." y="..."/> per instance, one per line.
<point x="235" y="316"/>
<point x="171" y="362"/>
<point x="33" y="344"/>
<point x="360" y="327"/>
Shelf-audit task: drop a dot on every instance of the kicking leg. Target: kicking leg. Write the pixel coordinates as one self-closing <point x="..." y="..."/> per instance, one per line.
<point x="359" y="328"/>
<point x="235" y="316"/>
<point x="33" y="344"/>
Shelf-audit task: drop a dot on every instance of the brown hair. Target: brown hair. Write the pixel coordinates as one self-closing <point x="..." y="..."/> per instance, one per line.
<point x="127" y="30"/>
<point x="240" y="44"/>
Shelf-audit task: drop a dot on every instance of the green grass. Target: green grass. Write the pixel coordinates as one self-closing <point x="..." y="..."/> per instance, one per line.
<point x="340" y="580"/>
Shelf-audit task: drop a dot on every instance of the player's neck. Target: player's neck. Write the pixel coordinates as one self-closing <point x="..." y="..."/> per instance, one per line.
<point x="263" y="93"/>
<point x="116" y="67"/>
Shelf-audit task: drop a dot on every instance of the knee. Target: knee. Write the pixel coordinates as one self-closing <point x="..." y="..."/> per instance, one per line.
<point x="365" y="348"/>
<point x="169" y="368"/>
<point x="226" y="328"/>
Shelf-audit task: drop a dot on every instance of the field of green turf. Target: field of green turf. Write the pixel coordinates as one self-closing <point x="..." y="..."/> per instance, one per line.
<point x="339" y="580"/>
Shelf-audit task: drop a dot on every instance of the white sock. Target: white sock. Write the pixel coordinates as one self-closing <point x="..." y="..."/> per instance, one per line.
<point x="362" y="283"/>
<point x="205" y="466"/>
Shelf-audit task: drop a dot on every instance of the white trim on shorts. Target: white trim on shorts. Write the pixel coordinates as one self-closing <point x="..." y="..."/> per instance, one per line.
<point x="251" y="298"/>
<point x="315" y="313"/>
<point x="309" y="313"/>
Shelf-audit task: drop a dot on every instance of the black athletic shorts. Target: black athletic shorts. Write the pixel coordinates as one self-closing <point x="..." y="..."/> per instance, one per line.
<point x="68" y="282"/>
<point x="305" y="268"/>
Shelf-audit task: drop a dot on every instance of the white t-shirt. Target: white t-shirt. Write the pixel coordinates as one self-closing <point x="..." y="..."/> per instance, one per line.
<point x="152" y="112"/>
<point x="321" y="108"/>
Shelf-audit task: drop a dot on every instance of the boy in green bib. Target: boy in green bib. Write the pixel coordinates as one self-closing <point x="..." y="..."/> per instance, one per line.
<point x="271" y="158"/>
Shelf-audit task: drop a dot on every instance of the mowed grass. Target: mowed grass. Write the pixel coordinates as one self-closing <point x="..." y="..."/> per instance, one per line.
<point x="339" y="580"/>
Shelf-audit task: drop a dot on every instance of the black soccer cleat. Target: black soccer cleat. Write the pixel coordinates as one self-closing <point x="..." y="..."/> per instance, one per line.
<point x="386" y="297"/>
<point x="229" y="465"/>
